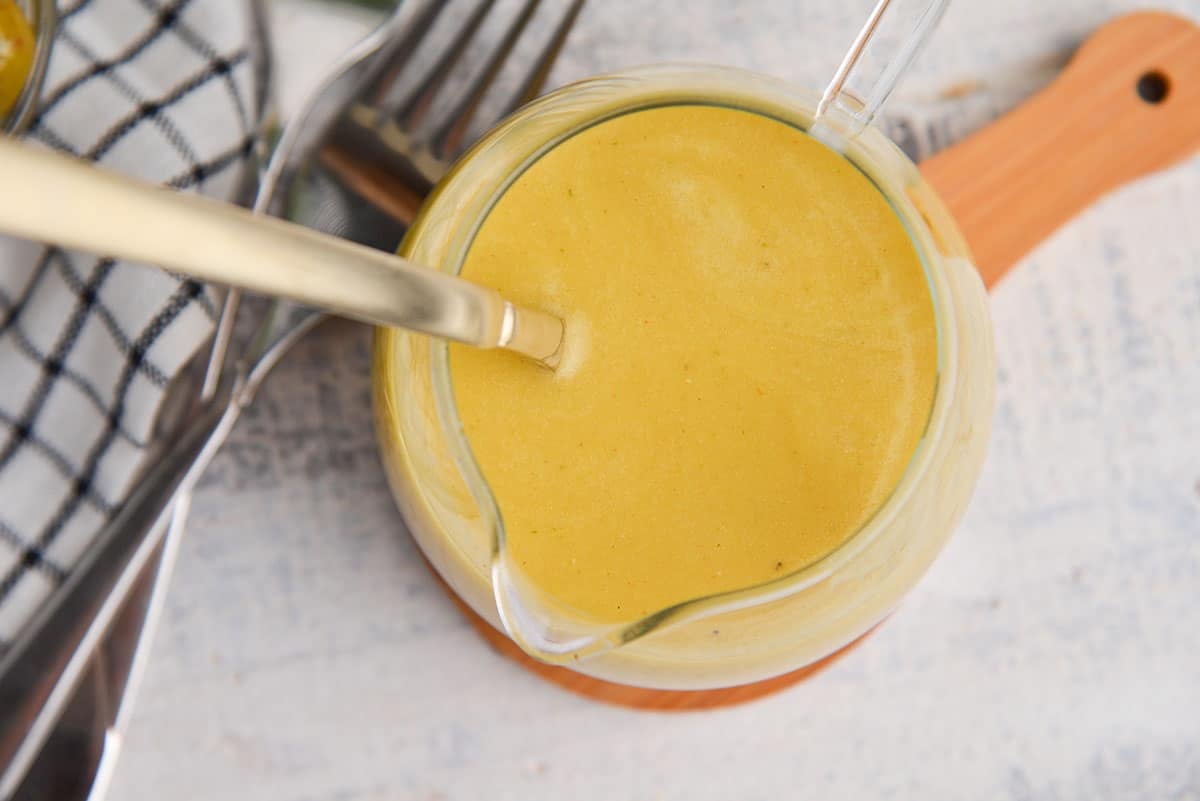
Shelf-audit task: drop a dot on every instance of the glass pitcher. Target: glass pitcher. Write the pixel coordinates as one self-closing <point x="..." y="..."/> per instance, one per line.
<point x="751" y="633"/>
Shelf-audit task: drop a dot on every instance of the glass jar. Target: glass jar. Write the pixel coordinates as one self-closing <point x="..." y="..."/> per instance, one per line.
<point x="735" y="637"/>
<point x="42" y="19"/>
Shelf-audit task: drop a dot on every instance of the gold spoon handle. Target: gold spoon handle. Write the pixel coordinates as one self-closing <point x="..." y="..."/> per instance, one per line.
<point x="54" y="198"/>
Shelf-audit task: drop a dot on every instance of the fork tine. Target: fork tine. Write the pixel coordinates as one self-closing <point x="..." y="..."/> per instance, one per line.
<point x="401" y="49"/>
<point x="386" y="163"/>
<point x="405" y="104"/>
<point x="449" y="128"/>
<point x="531" y="86"/>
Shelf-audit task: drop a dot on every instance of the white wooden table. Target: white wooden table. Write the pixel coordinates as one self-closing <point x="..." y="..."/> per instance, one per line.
<point x="1053" y="652"/>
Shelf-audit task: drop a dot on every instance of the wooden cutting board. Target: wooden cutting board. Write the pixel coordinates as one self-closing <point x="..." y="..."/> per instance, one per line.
<point x="1127" y="105"/>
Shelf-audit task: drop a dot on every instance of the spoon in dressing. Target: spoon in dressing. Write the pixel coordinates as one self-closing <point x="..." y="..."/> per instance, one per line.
<point x="54" y="198"/>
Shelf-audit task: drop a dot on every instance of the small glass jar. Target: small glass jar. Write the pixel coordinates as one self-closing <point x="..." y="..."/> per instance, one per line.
<point x="736" y="637"/>
<point x="42" y="18"/>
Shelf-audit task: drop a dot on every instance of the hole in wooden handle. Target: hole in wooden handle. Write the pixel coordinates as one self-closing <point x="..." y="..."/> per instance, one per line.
<point x="1153" y="87"/>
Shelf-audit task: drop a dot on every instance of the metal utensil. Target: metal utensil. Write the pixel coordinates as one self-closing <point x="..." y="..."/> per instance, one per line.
<point x="39" y="674"/>
<point x="71" y="203"/>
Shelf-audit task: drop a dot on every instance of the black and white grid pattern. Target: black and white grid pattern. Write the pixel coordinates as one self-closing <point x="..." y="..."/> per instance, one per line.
<point x="163" y="90"/>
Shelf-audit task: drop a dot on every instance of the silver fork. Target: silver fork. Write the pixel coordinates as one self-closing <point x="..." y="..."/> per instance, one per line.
<point x="402" y="115"/>
<point x="356" y="161"/>
<point x="383" y="128"/>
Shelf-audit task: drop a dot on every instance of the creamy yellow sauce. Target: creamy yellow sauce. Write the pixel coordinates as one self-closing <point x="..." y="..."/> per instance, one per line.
<point x="16" y="54"/>
<point x="751" y="358"/>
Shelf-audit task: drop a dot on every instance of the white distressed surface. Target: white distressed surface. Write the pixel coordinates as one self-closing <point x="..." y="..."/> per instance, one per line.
<point x="1053" y="652"/>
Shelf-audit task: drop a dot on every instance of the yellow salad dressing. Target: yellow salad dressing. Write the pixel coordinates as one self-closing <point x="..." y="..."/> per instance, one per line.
<point x="16" y="54"/>
<point x="751" y="358"/>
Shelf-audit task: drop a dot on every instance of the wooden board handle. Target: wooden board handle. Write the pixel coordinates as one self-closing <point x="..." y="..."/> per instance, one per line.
<point x="1127" y="105"/>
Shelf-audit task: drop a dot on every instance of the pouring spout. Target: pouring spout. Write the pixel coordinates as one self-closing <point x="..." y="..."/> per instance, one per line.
<point x="542" y="629"/>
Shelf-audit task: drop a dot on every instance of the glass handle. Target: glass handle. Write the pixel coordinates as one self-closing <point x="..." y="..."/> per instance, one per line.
<point x="889" y="40"/>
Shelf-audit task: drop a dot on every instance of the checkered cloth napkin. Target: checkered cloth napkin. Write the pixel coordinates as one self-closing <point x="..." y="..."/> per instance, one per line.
<point x="164" y="91"/>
